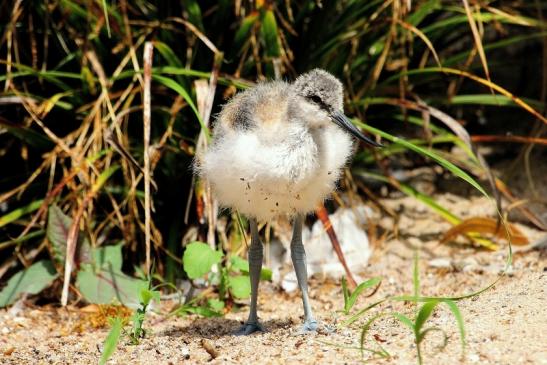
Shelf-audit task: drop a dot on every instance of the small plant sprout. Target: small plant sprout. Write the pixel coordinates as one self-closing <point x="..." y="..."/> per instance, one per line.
<point x="417" y="326"/>
<point x="351" y="297"/>
<point x="138" y="332"/>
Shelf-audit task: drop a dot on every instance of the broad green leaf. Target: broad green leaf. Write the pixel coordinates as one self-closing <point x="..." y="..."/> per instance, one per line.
<point x="58" y="225"/>
<point x="239" y="264"/>
<point x="243" y="265"/>
<point x="239" y="286"/>
<point x="108" y="257"/>
<point x="198" y="259"/>
<point x="111" y="341"/>
<point x="216" y="305"/>
<point x="202" y="311"/>
<point x="148" y="295"/>
<point x="106" y="286"/>
<point x="30" y="281"/>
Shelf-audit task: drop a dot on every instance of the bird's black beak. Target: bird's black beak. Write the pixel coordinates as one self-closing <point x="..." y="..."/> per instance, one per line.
<point x="343" y="121"/>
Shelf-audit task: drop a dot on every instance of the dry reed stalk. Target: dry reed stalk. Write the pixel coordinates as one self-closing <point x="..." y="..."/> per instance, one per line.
<point x="148" y="51"/>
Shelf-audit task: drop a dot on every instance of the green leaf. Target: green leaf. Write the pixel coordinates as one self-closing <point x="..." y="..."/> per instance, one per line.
<point x="148" y="295"/>
<point x="459" y="319"/>
<point x="410" y="191"/>
<point x="168" y="54"/>
<point x="31" y="281"/>
<point x="198" y="259"/>
<point x="239" y="286"/>
<point x="202" y="311"/>
<point x="346" y="293"/>
<point x="243" y="32"/>
<point x="269" y="32"/>
<point x="106" y="286"/>
<point x="194" y="13"/>
<point x="58" y="225"/>
<point x="216" y="305"/>
<point x="111" y="340"/>
<point x="103" y="177"/>
<point x="425" y="312"/>
<point x="434" y="156"/>
<point x="265" y="274"/>
<point x="108" y="258"/>
<point x="364" y="285"/>
<point x="173" y="85"/>
<point x="27" y="135"/>
<point x="416" y="274"/>
<point x="243" y="266"/>
<point x="239" y="264"/>
<point x="20" y="212"/>
<point x="404" y="320"/>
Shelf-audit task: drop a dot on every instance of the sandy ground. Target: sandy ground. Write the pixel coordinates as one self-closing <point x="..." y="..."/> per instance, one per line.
<point x="505" y="325"/>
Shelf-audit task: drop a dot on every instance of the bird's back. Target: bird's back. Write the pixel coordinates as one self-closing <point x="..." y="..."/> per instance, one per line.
<point x="264" y="106"/>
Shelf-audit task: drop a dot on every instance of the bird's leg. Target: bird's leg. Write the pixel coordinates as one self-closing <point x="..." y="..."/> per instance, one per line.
<point x="298" y="256"/>
<point x="255" y="266"/>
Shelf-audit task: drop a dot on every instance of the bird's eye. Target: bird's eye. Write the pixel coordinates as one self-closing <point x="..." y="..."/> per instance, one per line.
<point x="316" y="99"/>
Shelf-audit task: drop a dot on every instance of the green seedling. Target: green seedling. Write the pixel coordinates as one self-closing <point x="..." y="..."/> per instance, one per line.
<point x="417" y="325"/>
<point x="351" y="297"/>
<point x="137" y="332"/>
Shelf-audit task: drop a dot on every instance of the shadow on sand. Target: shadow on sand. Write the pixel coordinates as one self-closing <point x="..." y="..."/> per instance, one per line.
<point x="212" y="328"/>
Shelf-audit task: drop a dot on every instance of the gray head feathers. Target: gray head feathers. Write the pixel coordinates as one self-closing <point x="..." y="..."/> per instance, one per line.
<point x="321" y="88"/>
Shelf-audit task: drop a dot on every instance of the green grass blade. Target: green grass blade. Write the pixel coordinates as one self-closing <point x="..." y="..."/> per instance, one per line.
<point x="269" y="32"/>
<point x="243" y="32"/>
<point x="423" y="314"/>
<point x="364" y="285"/>
<point x="20" y="212"/>
<point x="173" y="85"/>
<point x="358" y="315"/>
<point x="416" y="273"/>
<point x="404" y="320"/>
<point x="111" y="340"/>
<point x="432" y="155"/>
<point x="105" y="11"/>
<point x="345" y="292"/>
<point x="410" y="191"/>
<point x="459" y="319"/>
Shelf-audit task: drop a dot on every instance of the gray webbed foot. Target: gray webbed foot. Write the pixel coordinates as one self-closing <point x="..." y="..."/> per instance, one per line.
<point x="249" y="328"/>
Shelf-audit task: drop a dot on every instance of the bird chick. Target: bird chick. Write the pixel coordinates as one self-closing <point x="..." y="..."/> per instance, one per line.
<point x="278" y="149"/>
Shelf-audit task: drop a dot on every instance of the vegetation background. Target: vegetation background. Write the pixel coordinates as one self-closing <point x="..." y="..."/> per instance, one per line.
<point x="75" y="115"/>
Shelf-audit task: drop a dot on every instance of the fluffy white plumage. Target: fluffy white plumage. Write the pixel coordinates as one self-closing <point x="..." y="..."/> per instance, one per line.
<point x="276" y="152"/>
